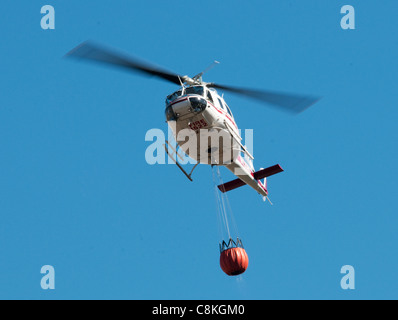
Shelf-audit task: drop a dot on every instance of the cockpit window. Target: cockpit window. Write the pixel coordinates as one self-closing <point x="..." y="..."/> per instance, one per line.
<point x="229" y="111"/>
<point x="199" y="90"/>
<point x="173" y="96"/>
<point x="195" y="90"/>
<point x="209" y="96"/>
<point x="221" y="104"/>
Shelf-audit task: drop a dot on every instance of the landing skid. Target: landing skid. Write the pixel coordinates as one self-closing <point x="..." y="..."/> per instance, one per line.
<point x="175" y="159"/>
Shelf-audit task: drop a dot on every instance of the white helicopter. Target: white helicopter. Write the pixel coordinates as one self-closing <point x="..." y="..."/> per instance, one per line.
<point x="196" y="111"/>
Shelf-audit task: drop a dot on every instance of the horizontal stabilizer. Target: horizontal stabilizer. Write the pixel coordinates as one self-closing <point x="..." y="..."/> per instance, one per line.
<point x="231" y="185"/>
<point x="264" y="173"/>
<point x="261" y="174"/>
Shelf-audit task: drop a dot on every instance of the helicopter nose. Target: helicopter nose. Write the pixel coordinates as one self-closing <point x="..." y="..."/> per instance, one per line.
<point x="186" y="107"/>
<point x="181" y="107"/>
<point x="198" y="104"/>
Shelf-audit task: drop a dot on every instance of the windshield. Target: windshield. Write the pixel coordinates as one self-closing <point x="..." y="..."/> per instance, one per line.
<point x="229" y="111"/>
<point x="195" y="90"/>
<point x="199" y="90"/>
<point x="173" y="96"/>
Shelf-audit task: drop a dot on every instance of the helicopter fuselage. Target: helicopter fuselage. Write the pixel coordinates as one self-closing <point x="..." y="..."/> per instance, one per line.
<point x="194" y="115"/>
<point x="205" y="129"/>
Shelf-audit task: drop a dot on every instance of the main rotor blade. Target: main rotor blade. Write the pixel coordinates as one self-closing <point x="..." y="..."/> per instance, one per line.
<point x="289" y="102"/>
<point x="93" y="52"/>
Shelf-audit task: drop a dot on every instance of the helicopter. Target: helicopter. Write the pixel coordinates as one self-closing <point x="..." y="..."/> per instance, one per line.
<point x="200" y="115"/>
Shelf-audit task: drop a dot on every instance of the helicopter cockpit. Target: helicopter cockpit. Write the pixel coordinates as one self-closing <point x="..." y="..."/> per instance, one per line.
<point x="195" y="102"/>
<point x="173" y="96"/>
<point x="198" y="90"/>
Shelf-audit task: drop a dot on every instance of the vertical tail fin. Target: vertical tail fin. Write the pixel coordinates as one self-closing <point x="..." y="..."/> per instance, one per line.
<point x="265" y="186"/>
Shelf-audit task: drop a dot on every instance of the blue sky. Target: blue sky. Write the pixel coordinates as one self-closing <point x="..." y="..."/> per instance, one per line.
<point x="76" y="192"/>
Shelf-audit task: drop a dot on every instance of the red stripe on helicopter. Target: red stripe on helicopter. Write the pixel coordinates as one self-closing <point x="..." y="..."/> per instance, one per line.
<point x="261" y="185"/>
<point x="220" y="111"/>
<point x="225" y="114"/>
<point x="245" y="165"/>
<point x="177" y="101"/>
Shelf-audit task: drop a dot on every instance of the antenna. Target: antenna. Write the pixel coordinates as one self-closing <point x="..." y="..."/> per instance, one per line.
<point x="198" y="77"/>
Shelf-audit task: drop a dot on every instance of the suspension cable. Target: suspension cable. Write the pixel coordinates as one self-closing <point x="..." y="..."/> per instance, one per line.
<point x="224" y="210"/>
